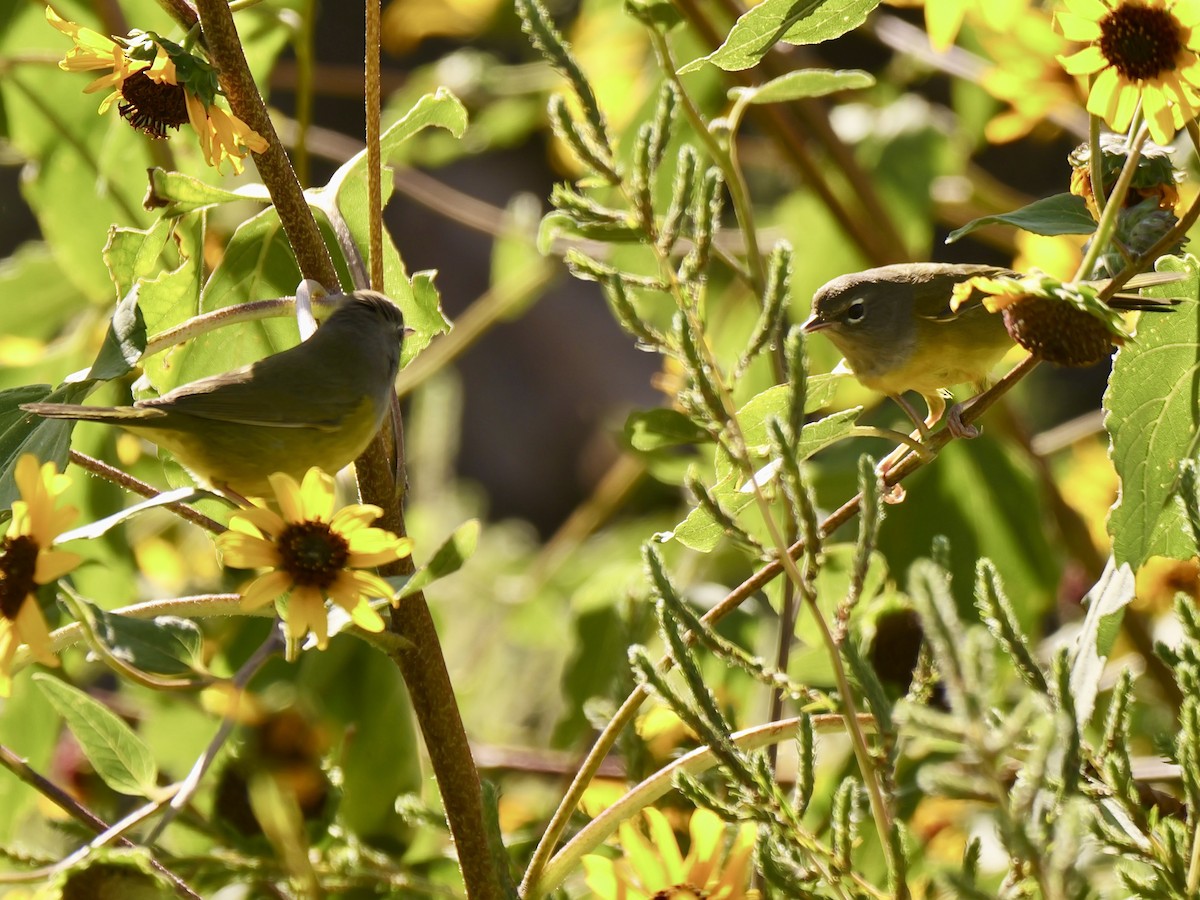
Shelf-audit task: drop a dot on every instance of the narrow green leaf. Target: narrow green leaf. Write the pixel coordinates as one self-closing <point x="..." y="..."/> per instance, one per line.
<point x="1060" y="214"/>
<point x="1154" y="423"/>
<point x="805" y="83"/>
<point x="448" y="559"/>
<point x="791" y="21"/>
<point x="177" y="193"/>
<point x="654" y="429"/>
<point x="118" y="755"/>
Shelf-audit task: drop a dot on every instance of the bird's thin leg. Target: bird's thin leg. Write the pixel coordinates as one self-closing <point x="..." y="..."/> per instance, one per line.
<point x="954" y="422"/>
<point x="937" y="406"/>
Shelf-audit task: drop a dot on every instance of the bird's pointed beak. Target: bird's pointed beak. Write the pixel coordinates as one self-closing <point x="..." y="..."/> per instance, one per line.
<point x="814" y="324"/>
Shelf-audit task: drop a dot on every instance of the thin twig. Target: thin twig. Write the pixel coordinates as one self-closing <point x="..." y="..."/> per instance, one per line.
<point x="137" y="486"/>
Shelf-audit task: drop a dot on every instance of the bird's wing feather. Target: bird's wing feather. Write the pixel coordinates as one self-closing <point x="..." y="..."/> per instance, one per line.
<point x="237" y="396"/>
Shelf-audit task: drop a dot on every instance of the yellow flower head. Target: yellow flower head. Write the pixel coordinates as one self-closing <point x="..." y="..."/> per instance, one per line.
<point x="160" y="85"/>
<point x="1143" y="52"/>
<point x="312" y="553"/>
<point x="27" y="560"/>
<point x="653" y="866"/>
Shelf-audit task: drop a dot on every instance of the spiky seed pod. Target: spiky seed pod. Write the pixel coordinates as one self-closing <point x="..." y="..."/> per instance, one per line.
<point x="1058" y="332"/>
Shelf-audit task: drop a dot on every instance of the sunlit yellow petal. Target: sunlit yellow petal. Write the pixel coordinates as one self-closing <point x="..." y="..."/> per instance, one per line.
<point x="369" y="584"/>
<point x="642" y="856"/>
<point x="707" y="831"/>
<point x="368" y="551"/>
<point x="27" y="473"/>
<point x="317" y="493"/>
<point x="264" y="589"/>
<point x="1088" y="9"/>
<point x="1077" y="28"/>
<point x="1158" y="116"/>
<point x="943" y="19"/>
<point x="32" y="628"/>
<point x="1086" y="61"/>
<point x="245" y="551"/>
<point x="267" y="521"/>
<point x="663" y="838"/>
<point x="54" y="564"/>
<point x="351" y="518"/>
<point x="8" y="652"/>
<point x="365" y="617"/>
<point x="287" y="492"/>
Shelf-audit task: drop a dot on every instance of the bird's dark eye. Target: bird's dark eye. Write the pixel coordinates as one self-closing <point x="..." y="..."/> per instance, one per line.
<point x="856" y="312"/>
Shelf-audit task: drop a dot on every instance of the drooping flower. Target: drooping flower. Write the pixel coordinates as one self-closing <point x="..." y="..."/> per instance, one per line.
<point x="27" y="560"/>
<point x="160" y="85"/>
<point x="312" y="553"/>
<point x="652" y="866"/>
<point x="1142" y="52"/>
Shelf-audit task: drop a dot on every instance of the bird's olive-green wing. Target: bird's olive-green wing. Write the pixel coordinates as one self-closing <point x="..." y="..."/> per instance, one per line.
<point x="315" y="384"/>
<point x="931" y="298"/>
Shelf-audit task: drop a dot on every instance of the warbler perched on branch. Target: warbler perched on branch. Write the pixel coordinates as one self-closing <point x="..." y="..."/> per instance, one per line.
<point x="316" y="404"/>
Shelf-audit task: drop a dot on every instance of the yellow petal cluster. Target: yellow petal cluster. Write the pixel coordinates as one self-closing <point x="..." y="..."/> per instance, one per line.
<point x="312" y="553"/>
<point x="27" y="561"/>
<point x="1144" y="54"/>
<point x="652" y="865"/>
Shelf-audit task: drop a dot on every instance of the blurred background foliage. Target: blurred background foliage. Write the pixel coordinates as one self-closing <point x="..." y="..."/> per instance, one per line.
<point x="520" y="418"/>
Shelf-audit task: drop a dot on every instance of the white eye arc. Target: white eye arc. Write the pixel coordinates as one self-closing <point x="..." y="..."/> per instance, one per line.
<point x="856" y="312"/>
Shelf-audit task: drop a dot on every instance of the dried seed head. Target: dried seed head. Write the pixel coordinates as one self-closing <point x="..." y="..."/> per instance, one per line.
<point x="1058" y="332"/>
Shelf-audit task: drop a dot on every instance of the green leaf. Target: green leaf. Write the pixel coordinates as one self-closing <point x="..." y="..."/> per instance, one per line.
<point x="164" y="645"/>
<point x="123" y="343"/>
<point x="440" y="109"/>
<point x="1105" y="604"/>
<point x="791" y="21"/>
<point x="805" y="83"/>
<point x="178" y="193"/>
<point x="654" y="429"/>
<point x="448" y="559"/>
<point x="1060" y="214"/>
<point x="258" y="264"/>
<point x="1154" y="422"/>
<point x="775" y="402"/>
<point x="21" y="432"/>
<point x="118" y="755"/>
<point x="344" y="202"/>
<point x="699" y="531"/>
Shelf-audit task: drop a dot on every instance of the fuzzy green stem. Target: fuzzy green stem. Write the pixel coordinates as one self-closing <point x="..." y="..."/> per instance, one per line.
<point x="1108" y="220"/>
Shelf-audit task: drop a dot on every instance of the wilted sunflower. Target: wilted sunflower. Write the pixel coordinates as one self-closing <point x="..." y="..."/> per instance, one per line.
<point x="312" y="553"/>
<point x="27" y="561"/>
<point x="159" y="85"/>
<point x="1143" y="52"/>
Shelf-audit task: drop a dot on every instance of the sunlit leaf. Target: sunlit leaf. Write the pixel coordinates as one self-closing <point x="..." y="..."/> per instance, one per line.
<point x="1154" y="423"/>
<point x="791" y="21"/>
<point x="117" y="754"/>
<point x="1060" y="214"/>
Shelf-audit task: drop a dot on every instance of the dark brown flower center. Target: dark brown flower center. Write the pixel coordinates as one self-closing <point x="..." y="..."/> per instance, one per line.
<point x="18" y="562"/>
<point x="312" y="553"/>
<point x="151" y="107"/>
<point x="1141" y="42"/>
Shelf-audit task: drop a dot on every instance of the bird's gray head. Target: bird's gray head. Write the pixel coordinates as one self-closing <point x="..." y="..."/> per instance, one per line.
<point x="867" y="315"/>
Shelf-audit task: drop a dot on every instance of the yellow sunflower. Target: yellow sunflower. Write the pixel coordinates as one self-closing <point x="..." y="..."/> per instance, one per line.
<point x="312" y="553"/>
<point x="27" y="561"/>
<point x="160" y="85"/>
<point x="654" y="868"/>
<point x="1143" y="53"/>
